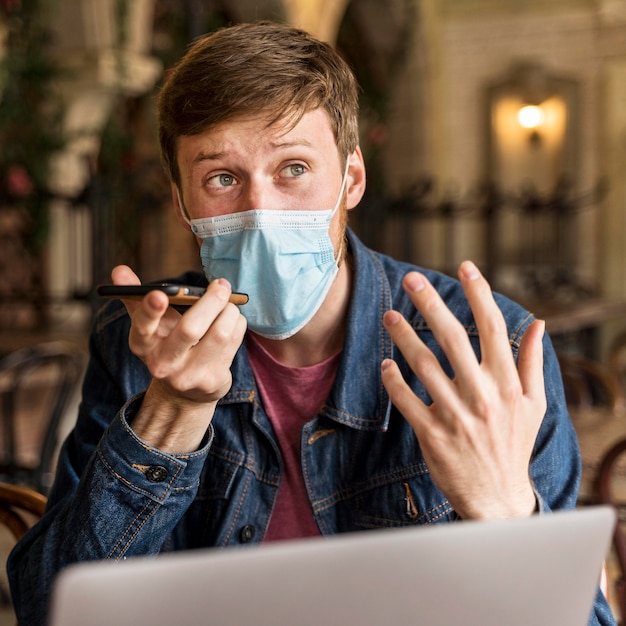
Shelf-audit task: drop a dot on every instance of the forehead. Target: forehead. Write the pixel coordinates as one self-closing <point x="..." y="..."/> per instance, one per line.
<point x="312" y="130"/>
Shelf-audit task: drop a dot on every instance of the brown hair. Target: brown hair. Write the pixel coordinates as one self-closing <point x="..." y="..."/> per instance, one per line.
<point x="259" y="68"/>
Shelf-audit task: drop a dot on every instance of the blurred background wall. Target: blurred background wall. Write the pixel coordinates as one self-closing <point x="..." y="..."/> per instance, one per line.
<point x="454" y="172"/>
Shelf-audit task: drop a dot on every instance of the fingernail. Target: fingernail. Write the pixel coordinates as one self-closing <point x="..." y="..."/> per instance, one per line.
<point x="414" y="281"/>
<point x="391" y="317"/>
<point x="224" y="284"/>
<point x="470" y="270"/>
<point x="385" y="365"/>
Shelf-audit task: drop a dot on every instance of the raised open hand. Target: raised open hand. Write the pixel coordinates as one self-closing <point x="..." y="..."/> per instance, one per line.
<point x="478" y="434"/>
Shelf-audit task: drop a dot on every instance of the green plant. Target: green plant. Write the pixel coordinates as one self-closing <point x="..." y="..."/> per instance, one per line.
<point x="31" y="114"/>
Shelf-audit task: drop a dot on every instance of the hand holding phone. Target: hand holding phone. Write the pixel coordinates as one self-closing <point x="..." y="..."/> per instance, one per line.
<point x="184" y="295"/>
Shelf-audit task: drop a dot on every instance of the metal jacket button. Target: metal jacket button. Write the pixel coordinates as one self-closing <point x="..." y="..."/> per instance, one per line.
<point x="247" y="533"/>
<point x="156" y="473"/>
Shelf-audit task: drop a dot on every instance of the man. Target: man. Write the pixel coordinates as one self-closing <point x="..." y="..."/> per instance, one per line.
<point x="294" y="414"/>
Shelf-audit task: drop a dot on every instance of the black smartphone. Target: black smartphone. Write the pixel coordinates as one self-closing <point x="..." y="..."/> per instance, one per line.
<point x="177" y="294"/>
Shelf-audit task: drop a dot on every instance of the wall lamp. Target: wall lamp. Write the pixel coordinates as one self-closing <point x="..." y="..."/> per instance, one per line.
<point x="531" y="116"/>
<point x="532" y="129"/>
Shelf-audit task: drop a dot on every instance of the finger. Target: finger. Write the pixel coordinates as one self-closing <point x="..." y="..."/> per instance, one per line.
<point x="224" y="336"/>
<point x="198" y="318"/>
<point x="420" y="359"/>
<point x="530" y="362"/>
<point x="147" y="316"/>
<point x="198" y="322"/>
<point x="449" y="332"/>
<point x="495" y="347"/>
<point x="207" y="364"/>
<point x="123" y="275"/>
<point x="403" y="397"/>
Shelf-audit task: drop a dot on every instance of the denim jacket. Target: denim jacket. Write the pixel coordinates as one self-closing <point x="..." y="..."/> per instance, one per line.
<point x="115" y="496"/>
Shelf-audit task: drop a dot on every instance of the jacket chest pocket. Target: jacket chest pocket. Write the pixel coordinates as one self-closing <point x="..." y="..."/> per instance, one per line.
<point x="413" y="500"/>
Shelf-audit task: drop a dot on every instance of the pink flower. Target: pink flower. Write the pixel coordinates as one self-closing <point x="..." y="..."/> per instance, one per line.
<point x="19" y="182"/>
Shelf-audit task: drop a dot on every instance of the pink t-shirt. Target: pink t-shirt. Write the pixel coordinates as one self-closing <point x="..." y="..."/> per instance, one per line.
<point x="291" y="396"/>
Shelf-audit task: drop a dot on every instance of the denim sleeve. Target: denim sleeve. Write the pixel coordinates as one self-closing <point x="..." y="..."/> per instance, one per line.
<point x="556" y="466"/>
<point x="114" y="496"/>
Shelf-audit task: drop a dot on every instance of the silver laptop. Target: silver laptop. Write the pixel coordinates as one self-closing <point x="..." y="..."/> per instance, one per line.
<point x="537" y="571"/>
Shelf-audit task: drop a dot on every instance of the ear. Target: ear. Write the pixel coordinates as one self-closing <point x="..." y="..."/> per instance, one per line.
<point x="356" y="179"/>
<point x="180" y="211"/>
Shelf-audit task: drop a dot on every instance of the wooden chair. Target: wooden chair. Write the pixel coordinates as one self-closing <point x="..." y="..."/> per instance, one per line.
<point x="604" y="493"/>
<point x="590" y="383"/>
<point x="616" y="358"/>
<point x="37" y="384"/>
<point x="20" y="508"/>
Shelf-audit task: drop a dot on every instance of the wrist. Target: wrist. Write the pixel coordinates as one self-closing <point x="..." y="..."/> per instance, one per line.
<point x="521" y="504"/>
<point x="172" y="424"/>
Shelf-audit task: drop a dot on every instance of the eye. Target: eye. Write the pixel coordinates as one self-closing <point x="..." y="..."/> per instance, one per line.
<point x="294" y="170"/>
<point x="222" y="180"/>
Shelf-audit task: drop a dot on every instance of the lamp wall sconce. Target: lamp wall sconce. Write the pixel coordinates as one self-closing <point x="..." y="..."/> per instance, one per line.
<point x="532" y="167"/>
<point x="532" y="129"/>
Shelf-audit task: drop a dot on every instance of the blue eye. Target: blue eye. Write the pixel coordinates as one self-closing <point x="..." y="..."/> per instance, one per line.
<point x="226" y="180"/>
<point x="221" y="180"/>
<point x="296" y="169"/>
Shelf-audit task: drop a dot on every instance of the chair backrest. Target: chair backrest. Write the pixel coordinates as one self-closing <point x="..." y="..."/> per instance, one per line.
<point x="20" y="506"/>
<point x="612" y="469"/>
<point x="616" y="358"/>
<point x="37" y="385"/>
<point x="590" y="383"/>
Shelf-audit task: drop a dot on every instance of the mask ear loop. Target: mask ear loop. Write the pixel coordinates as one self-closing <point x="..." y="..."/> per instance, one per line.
<point x="183" y="210"/>
<point x="337" y="205"/>
<point x="341" y="190"/>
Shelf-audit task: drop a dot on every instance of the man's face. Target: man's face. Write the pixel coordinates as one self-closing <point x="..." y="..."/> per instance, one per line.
<point x="243" y="164"/>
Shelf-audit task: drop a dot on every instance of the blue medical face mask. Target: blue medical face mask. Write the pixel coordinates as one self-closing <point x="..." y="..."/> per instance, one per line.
<point x="284" y="261"/>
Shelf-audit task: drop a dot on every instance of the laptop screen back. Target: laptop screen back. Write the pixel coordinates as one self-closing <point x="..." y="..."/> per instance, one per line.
<point x="542" y="570"/>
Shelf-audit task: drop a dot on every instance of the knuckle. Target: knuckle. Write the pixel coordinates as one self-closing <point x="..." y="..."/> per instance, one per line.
<point x="495" y="325"/>
<point x="138" y="333"/>
<point x="189" y="330"/>
<point x="425" y="367"/>
<point x="217" y="383"/>
<point x="489" y="406"/>
<point x="431" y="304"/>
<point x="511" y="389"/>
<point x="220" y="335"/>
<point x="453" y="341"/>
<point x="159" y="370"/>
<point x="138" y="347"/>
<point x="485" y="408"/>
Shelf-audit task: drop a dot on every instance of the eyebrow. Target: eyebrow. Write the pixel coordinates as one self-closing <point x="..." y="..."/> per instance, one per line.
<point x="210" y="156"/>
<point x="220" y="154"/>
<point x="293" y="143"/>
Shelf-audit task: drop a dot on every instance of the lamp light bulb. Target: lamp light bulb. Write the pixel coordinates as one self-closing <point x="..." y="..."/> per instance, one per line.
<point x="530" y="116"/>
